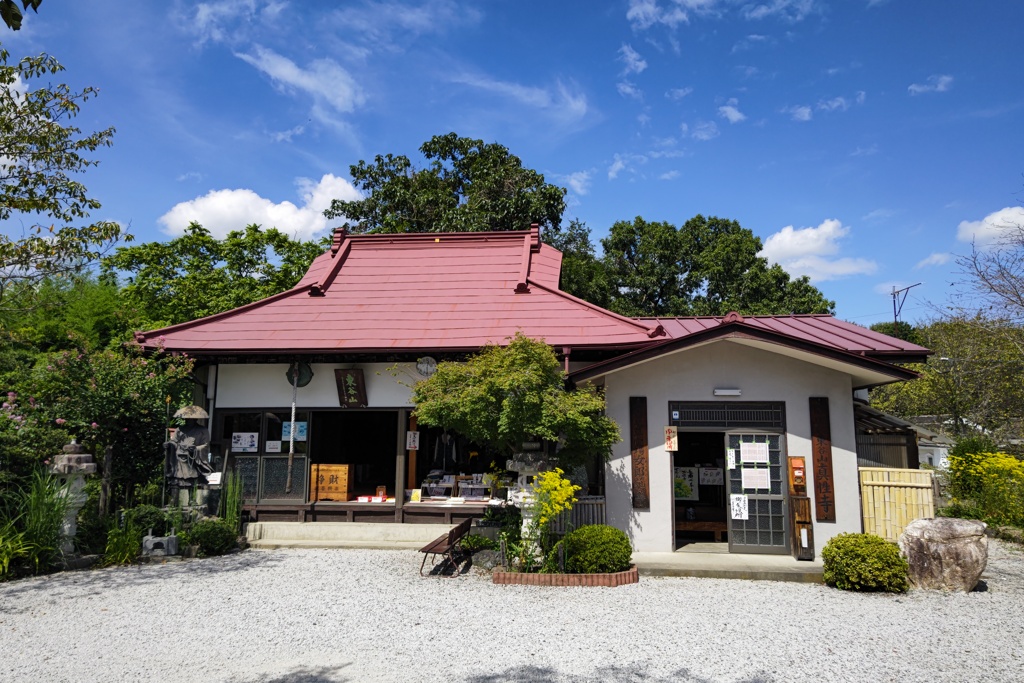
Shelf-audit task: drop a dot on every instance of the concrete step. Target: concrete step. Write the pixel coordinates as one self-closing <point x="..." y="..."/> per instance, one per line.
<point x="715" y="565"/>
<point x="341" y="534"/>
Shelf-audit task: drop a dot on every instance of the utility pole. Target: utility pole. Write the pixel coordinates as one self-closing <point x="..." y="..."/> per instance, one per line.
<point x="897" y="299"/>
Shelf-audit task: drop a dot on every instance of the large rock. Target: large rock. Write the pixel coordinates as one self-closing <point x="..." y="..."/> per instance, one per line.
<point x="945" y="553"/>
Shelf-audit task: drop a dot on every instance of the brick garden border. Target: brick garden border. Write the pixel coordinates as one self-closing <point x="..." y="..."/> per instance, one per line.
<point x="631" y="575"/>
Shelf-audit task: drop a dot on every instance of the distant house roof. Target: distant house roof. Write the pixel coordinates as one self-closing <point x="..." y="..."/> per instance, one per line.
<point x="414" y="293"/>
<point x="867" y="356"/>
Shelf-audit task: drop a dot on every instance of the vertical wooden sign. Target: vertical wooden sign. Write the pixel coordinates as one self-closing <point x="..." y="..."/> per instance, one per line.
<point x="351" y="388"/>
<point x="821" y="456"/>
<point x="639" y="452"/>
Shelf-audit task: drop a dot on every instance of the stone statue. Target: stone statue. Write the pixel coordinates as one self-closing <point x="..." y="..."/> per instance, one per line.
<point x="187" y="454"/>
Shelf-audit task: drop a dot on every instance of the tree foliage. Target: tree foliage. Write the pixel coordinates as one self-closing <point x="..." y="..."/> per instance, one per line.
<point x="197" y="275"/>
<point x="40" y="155"/>
<point x="996" y="274"/>
<point x="709" y="266"/>
<point x="969" y="384"/>
<point x="506" y="395"/>
<point x="583" y="273"/>
<point x="467" y="186"/>
<point x="12" y="14"/>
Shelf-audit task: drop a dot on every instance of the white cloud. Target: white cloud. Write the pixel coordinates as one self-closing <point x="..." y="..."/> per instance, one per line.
<point x="627" y="89"/>
<point x="578" y="182"/>
<point x="618" y="165"/>
<point x="799" y="113"/>
<point x="749" y="42"/>
<point x="808" y="251"/>
<point x="677" y="94"/>
<point x="991" y="229"/>
<point x="878" y="214"/>
<point x="789" y="10"/>
<point x="704" y="131"/>
<point x="390" y="24"/>
<point x="936" y="259"/>
<point x="870" y="150"/>
<point x="190" y="175"/>
<point x="861" y="97"/>
<point x="835" y="104"/>
<point x="324" y="79"/>
<point x="287" y="135"/>
<point x="671" y="175"/>
<point x="643" y="14"/>
<point x="221" y="211"/>
<point x="936" y="83"/>
<point x="563" y="102"/>
<point x="624" y="162"/>
<point x="632" y="61"/>
<point x="730" y="112"/>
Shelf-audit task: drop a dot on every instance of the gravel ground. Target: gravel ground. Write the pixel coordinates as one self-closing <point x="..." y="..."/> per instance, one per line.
<point x="305" y="616"/>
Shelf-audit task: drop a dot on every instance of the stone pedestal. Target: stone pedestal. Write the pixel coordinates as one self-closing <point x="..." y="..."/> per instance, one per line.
<point x="945" y="553"/>
<point x="71" y="467"/>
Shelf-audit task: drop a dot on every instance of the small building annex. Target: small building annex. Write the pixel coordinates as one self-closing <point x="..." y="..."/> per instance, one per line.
<point x="716" y="413"/>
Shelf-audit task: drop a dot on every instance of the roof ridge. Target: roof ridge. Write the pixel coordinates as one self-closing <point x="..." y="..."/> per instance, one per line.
<point x="652" y="332"/>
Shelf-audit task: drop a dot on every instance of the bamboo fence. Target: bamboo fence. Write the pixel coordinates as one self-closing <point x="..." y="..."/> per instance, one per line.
<point x="893" y="498"/>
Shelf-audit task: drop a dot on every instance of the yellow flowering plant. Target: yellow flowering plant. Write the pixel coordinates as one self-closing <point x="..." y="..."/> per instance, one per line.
<point x="553" y="494"/>
<point x="993" y="483"/>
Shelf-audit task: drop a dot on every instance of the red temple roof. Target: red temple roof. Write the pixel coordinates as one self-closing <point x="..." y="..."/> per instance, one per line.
<point x="414" y="292"/>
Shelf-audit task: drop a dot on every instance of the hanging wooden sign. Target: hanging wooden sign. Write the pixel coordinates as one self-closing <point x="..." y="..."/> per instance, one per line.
<point x="671" y="439"/>
<point x="821" y="458"/>
<point x="351" y="388"/>
<point x="639" y="452"/>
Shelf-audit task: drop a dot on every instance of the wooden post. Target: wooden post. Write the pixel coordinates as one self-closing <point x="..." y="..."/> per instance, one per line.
<point x="639" y="452"/>
<point x="108" y="475"/>
<point x="412" y="455"/>
<point x="400" y="468"/>
<point x="821" y="454"/>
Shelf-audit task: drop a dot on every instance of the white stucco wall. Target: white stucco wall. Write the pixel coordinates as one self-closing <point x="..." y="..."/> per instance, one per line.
<point x="692" y="375"/>
<point x="266" y="386"/>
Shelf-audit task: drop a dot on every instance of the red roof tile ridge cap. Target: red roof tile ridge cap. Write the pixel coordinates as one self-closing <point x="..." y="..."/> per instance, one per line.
<point x="462" y="236"/>
<point x="338" y="257"/>
<point x="141" y="336"/>
<point x="655" y="331"/>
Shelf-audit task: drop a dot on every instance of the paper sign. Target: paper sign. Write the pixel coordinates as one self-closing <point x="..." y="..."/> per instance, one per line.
<point x="803" y="538"/>
<point x="711" y="476"/>
<point x="300" y="431"/>
<point x="412" y="441"/>
<point x="738" y="503"/>
<point x="675" y="414"/>
<point x="671" y="439"/>
<point x="685" y="483"/>
<point x="273" y="447"/>
<point x="730" y="457"/>
<point x="754" y="452"/>
<point x="245" y="442"/>
<point x="755" y="479"/>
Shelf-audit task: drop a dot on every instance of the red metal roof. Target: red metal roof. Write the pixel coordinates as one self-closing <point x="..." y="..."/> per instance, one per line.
<point x="417" y="292"/>
<point x="824" y="330"/>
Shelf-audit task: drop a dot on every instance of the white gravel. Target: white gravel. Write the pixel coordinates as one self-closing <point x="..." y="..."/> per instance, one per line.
<point x="305" y="616"/>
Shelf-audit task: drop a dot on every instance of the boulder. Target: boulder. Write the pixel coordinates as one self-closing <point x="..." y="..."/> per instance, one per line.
<point x="945" y="553"/>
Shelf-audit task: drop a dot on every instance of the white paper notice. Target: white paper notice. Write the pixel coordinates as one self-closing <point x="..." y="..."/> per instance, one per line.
<point x="754" y="452"/>
<point x="273" y="447"/>
<point x="412" y="441"/>
<point x="755" y="479"/>
<point x="738" y="503"/>
<point x="803" y="538"/>
<point x="245" y="442"/>
<point x="711" y="476"/>
<point x="731" y="457"/>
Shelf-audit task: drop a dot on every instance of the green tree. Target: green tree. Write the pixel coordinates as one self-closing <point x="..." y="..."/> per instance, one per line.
<point x="40" y="155"/>
<point x="901" y="330"/>
<point x="710" y="266"/>
<point x="12" y="14"/>
<point x="583" y="273"/>
<point x="467" y="186"/>
<point x="506" y="395"/>
<point x="196" y="275"/>
<point x="970" y="383"/>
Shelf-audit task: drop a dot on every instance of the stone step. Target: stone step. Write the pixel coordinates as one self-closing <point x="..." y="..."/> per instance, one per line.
<point x="341" y="534"/>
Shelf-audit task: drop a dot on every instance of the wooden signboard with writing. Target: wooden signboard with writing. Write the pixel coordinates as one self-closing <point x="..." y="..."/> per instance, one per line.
<point x="329" y="483"/>
<point x="639" y="452"/>
<point x="821" y="458"/>
<point x="351" y="388"/>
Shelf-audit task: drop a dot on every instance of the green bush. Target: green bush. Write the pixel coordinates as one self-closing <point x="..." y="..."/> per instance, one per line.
<point x="43" y="504"/>
<point x="124" y="544"/>
<point x="961" y="510"/>
<point x="864" y="562"/>
<point x="472" y="543"/>
<point x="213" y="536"/>
<point x="592" y="549"/>
<point x="12" y="547"/>
<point x="146" y="517"/>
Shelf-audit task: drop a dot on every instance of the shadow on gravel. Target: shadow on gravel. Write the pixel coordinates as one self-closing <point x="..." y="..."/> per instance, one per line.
<point x="613" y="674"/>
<point x="301" y="674"/>
<point x="143" y="574"/>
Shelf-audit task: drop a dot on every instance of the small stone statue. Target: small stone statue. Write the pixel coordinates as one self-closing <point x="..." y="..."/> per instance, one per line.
<point x="187" y="454"/>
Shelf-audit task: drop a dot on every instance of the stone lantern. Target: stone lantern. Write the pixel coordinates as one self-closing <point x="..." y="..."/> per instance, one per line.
<point x="71" y="467"/>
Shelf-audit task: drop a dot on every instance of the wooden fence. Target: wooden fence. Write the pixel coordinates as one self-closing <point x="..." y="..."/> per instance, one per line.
<point x="891" y="499"/>
<point x="587" y="510"/>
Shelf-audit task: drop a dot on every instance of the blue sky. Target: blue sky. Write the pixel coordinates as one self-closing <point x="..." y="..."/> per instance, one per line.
<point x="865" y="141"/>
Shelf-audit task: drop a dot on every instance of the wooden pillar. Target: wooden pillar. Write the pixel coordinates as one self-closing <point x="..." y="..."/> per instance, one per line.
<point x="821" y="455"/>
<point x="412" y="456"/>
<point x="400" y="466"/>
<point x="913" y="455"/>
<point x="638" y="451"/>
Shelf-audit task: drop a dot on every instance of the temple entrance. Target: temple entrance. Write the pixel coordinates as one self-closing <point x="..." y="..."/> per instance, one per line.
<point x="699" y="488"/>
<point x="357" y="445"/>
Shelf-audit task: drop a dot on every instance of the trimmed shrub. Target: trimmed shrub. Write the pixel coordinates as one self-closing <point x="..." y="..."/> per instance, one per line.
<point x="146" y="517"/>
<point x="593" y="549"/>
<point x="472" y="543"/>
<point x="864" y="562"/>
<point x="213" y="536"/>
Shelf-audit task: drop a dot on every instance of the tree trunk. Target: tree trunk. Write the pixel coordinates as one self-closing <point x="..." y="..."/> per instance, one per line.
<point x="108" y="472"/>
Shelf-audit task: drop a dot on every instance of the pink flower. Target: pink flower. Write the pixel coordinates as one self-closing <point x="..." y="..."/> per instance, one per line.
<point x="151" y="375"/>
<point x="11" y="395"/>
<point x="6" y="406"/>
<point x="94" y="425"/>
<point x="125" y="429"/>
<point x="60" y="420"/>
<point x="46" y="462"/>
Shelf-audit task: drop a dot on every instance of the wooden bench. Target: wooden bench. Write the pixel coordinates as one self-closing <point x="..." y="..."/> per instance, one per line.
<point x="448" y="546"/>
<point x="718" y="527"/>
